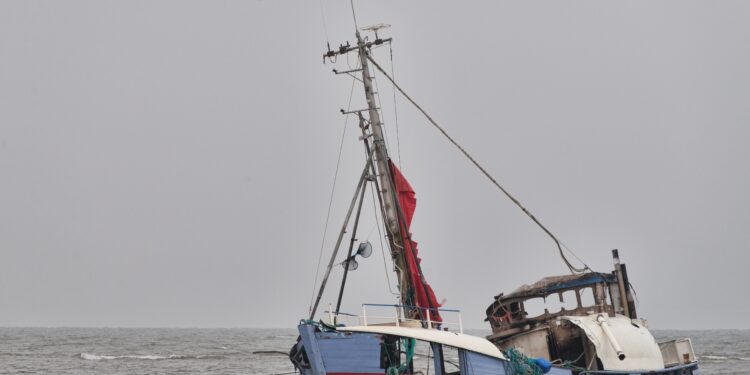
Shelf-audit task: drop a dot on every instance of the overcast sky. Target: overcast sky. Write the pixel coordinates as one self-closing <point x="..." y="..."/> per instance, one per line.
<point x="170" y="163"/>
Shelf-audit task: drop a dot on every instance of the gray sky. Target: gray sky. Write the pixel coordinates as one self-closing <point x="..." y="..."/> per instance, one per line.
<point x="169" y="163"/>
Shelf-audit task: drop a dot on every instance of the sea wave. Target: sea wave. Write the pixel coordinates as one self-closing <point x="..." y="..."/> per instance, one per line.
<point x="714" y="357"/>
<point x="723" y="358"/>
<point x="98" y="357"/>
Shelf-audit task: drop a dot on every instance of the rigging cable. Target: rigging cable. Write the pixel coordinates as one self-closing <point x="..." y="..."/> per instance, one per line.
<point x="354" y="15"/>
<point x="330" y="201"/>
<point x="325" y="27"/>
<point x="559" y="244"/>
<point x="429" y="351"/>
<point x="635" y="294"/>
<point x="378" y="207"/>
<point x="395" y="109"/>
<point x="380" y="239"/>
<point x="379" y="105"/>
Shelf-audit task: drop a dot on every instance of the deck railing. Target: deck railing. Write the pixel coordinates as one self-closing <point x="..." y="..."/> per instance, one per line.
<point x="397" y="317"/>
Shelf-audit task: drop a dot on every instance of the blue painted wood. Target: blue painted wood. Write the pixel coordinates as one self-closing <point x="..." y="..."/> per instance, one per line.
<point x="307" y="333"/>
<point x="437" y="356"/>
<point x="345" y="352"/>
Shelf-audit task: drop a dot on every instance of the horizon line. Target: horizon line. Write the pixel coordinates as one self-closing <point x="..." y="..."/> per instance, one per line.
<point x="291" y="328"/>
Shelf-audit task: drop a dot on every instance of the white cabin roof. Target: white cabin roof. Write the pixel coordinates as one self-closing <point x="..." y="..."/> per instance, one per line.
<point x="457" y="340"/>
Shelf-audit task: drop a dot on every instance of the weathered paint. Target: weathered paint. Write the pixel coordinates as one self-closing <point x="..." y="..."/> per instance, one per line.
<point x="350" y="353"/>
<point x="454" y="339"/>
<point x="358" y="353"/>
<point x="639" y="346"/>
<point x="307" y="334"/>
<point x="532" y="343"/>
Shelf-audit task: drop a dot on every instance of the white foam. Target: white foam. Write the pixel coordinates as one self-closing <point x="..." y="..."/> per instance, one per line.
<point x="715" y="357"/>
<point x="95" y="357"/>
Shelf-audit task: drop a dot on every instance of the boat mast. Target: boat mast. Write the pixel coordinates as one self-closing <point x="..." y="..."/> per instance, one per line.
<point x="380" y="156"/>
<point x="391" y="209"/>
<point x="379" y="146"/>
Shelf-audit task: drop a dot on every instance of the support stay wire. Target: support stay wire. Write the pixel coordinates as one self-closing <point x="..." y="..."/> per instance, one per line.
<point x="360" y="186"/>
<point x="559" y="244"/>
<point x="330" y="201"/>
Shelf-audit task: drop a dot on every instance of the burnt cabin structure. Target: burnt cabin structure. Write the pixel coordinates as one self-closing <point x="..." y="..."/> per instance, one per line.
<point x="553" y="334"/>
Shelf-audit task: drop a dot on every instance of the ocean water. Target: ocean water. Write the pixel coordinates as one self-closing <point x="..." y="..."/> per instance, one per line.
<point x="238" y="351"/>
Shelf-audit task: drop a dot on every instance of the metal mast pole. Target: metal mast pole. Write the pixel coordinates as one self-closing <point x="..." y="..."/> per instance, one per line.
<point x="379" y="148"/>
<point x="380" y="154"/>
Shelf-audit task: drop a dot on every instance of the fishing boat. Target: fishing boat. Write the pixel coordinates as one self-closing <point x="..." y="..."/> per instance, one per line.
<point x="593" y="325"/>
<point x="605" y="337"/>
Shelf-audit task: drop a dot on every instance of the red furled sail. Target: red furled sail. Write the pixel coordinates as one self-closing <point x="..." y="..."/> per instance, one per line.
<point x="424" y="296"/>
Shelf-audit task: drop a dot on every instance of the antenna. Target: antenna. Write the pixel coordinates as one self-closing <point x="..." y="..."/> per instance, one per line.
<point x="354" y="15"/>
<point x="374" y="28"/>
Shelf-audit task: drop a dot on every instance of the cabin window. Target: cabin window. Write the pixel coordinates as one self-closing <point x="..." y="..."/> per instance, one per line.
<point x="390" y="352"/>
<point x="479" y="364"/>
<point x="553" y="304"/>
<point x="607" y="297"/>
<point x="515" y="307"/>
<point x="394" y="352"/>
<point x="570" y="301"/>
<point x="424" y="358"/>
<point x="534" y="307"/>
<point x="587" y="297"/>
<point x="450" y="360"/>
<point x="515" y="311"/>
<point x="566" y="300"/>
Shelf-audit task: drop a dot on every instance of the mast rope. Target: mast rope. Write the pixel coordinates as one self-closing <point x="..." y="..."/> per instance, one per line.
<point x="559" y="244"/>
<point x="330" y="201"/>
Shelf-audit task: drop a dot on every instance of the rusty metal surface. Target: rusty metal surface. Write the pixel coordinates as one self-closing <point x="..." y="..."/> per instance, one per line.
<point x="508" y="315"/>
<point x="553" y="284"/>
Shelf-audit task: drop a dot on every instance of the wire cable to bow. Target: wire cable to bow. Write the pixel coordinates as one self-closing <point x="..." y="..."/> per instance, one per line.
<point x="559" y="244"/>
